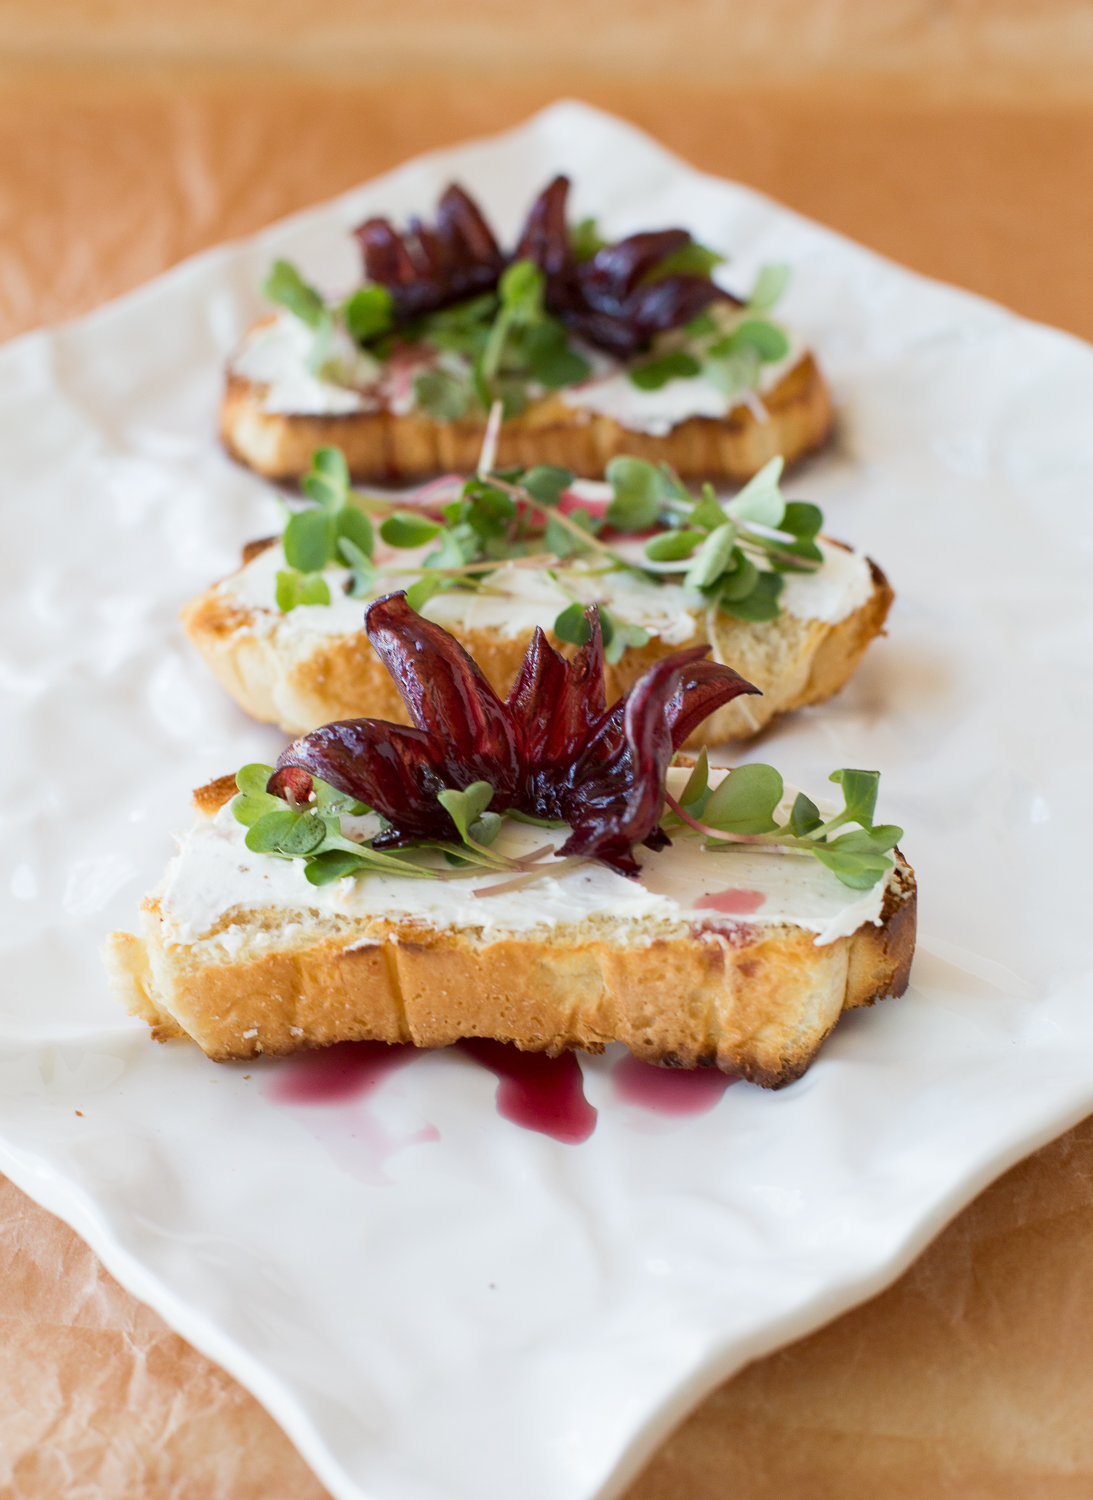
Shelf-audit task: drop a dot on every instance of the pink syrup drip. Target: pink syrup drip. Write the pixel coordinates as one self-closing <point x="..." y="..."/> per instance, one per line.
<point x="734" y="903"/>
<point x="540" y="1093"/>
<point x="347" y="1070"/>
<point x="669" y="1091"/>
<point x="339" y="1080"/>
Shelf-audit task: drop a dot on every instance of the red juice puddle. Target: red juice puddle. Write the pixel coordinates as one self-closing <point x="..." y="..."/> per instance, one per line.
<point x="669" y="1091"/>
<point x="735" y="903"/>
<point x="346" y="1070"/>
<point x="540" y="1093"/>
<point x="333" y="1084"/>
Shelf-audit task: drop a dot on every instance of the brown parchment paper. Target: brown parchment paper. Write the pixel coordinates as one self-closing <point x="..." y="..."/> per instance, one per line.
<point x="972" y="1376"/>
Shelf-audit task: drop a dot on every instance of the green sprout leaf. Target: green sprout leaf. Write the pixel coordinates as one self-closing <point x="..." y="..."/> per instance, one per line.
<point x="740" y="578"/>
<point x="696" y="793"/>
<point x="560" y="540"/>
<point x="859" y="790"/>
<point x="745" y="801"/>
<point x="673" y="546"/>
<point x="708" y="513"/>
<point x="733" y="376"/>
<point x="450" y="553"/>
<point x="294" y="588"/>
<point x="712" y="557"/>
<point x="766" y="339"/>
<point x="690" y="260"/>
<point x="419" y="593"/>
<point x="253" y="779"/>
<point x="368" y="313"/>
<point x="802" y="556"/>
<point x="618" y="636"/>
<point x="364" y="576"/>
<point x="546" y="482"/>
<point x="761" y="604"/>
<point x="572" y="625"/>
<point x="467" y="806"/>
<point x="353" y="526"/>
<point x="769" y="286"/>
<point x="521" y="289"/>
<point x="288" y="591"/>
<point x="309" y="540"/>
<point x="267" y="835"/>
<point x="549" y="358"/>
<point x="560" y="367"/>
<point x="312" y="588"/>
<point x="801" y="519"/>
<point x="486" y="828"/>
<point x="760" y="501"/>
<point x="332" y="803"/>
<point x="585" y="239"/>
<point x="441" y="396"/>
<point x="655" y="373"/>
<point x="638" y="488"/>
<point x="859" y="871"/>
<point x="331" y="865"/>
<point x="285" y="286"/>
<point x="805" y="817"/>
<point x="248" y="809"/>
<point x="407" y="528"/>
<point x="327" y="481"/>
<point x="304" y="837"/>
<point x="701" y="327"/>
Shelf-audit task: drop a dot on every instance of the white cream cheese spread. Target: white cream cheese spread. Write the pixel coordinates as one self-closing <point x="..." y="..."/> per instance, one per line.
<point x="325" y="374"/>
<point x="519" y="599"/>
<point x="309" y="373"/>
<point x="656" y="412"/>
<point x="214" y="875"/>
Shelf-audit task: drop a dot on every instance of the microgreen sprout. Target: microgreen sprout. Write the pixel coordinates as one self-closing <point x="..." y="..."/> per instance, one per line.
<point x="730" y="555"/>
<point x="740" y="810"/>
<point x="312" y="832"/>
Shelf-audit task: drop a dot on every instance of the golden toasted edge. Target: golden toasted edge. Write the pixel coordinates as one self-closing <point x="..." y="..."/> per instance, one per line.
<point x="341" y="677"/>
<point x="210" y="798"/>
<point x="381" y="447"/>
<point x="754" y="1001"/>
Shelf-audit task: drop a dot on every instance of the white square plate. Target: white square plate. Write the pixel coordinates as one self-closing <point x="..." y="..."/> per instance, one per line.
<point x="496" y="1313"/>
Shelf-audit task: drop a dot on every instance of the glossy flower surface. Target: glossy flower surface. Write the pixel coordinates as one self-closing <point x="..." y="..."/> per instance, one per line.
<point x="551" y="750"/>
<point x="612" y="300"/>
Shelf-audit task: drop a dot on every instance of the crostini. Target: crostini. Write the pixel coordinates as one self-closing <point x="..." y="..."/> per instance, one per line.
<point x="533" y="870"/>
<point x="492" y="560"/>
<point x="595" y="350"/>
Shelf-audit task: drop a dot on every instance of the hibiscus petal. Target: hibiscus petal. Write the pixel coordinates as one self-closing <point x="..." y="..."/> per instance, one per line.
<point x="704" y="687"/>
<point x="462" y="227"/>
<point x="614" y="794"/>
<point x="609" y="832"/>
<point x="666" y="304"/>
<point x="545" y="238"/>
<point x="613" y="272"/>
<point x="606" y="737"/>
<point x="448" y="697"/>
<point x="393" y="769"/>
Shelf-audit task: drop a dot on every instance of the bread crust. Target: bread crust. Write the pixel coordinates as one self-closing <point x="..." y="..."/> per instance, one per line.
<point x="382" y="447"/>
<point x="753" y="999"/>
<point x="299" y="687"/>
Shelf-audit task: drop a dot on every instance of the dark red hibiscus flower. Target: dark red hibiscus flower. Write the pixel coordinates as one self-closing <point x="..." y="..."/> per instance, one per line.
<point x="609" y="300"/>
<point x="429" y="268"/>
<point x="552" y="749"/>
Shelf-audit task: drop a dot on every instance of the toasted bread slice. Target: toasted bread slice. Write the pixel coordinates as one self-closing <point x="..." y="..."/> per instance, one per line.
<point x="382" y="447"/>
<point x="685" y="988"/>
<point x="284" y="673"/>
